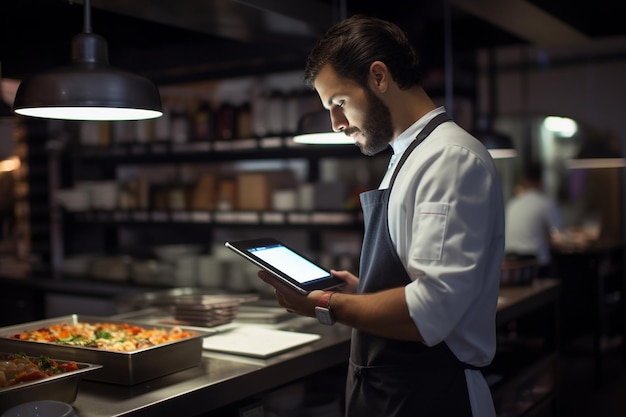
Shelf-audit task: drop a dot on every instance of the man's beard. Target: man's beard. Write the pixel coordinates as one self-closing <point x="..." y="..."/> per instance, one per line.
<point x="377" y="129"/>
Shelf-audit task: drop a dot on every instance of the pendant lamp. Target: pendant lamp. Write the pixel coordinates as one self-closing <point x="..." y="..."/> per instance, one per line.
<point x="315" y="129"/>
<point x="88" y="89"/>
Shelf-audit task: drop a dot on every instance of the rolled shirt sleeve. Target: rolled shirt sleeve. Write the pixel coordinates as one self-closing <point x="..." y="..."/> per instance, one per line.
<point x="448" y="228"/>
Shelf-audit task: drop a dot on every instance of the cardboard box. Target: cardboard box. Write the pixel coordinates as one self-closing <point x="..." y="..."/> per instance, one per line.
<point x="204" y="194"/>
<point x="227" y="195"/>
<point x="255" y="189"/>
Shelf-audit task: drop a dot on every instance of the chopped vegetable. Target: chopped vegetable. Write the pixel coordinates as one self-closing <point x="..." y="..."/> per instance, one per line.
<point x="19" y="368"/>
<point x="122" y="337"/>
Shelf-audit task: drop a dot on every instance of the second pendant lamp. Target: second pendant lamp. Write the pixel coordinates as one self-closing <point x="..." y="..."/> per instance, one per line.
<point x="315" y="129"/>
<point x="89" y="89"/>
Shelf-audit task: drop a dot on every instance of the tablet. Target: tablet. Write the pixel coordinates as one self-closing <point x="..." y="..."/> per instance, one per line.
<point x="285" y="264"/>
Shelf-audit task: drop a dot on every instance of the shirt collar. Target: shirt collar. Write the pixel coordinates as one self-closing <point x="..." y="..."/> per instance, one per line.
<point x="402" y="142"/>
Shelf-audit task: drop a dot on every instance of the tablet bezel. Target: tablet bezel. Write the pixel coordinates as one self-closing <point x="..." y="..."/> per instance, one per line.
<point x="241" y="248"/>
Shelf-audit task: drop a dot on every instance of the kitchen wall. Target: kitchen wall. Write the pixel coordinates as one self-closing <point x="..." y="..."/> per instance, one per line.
<point x="586" y="83"/>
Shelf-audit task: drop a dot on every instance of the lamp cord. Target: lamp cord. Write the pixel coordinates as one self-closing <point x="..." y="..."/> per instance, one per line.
<point x="87" y="14"/>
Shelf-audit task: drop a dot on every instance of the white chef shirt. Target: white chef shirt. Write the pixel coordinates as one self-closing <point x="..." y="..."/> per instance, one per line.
<point x="530" y="219"/>
<point x="446" y="219"/>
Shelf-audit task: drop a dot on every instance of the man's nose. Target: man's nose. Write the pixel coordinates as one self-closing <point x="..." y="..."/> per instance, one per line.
<point x="338" y="120"/>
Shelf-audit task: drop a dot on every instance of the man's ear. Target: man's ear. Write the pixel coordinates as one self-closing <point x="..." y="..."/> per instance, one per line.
<point x="379" y="76"/>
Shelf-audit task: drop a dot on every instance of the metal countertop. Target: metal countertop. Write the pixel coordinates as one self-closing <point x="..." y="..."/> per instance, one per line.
<point x="220" y="380"/>
<point x="224" y="379"/>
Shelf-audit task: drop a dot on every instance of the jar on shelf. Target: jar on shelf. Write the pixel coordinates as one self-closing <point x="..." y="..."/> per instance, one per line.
<point x="225" y="122"/>
<point x="291" y="113"/>
<point x="258" y="109"/>
<point x="162" y="130"/>
<point x="275" y="114"/>
<point x="180" y="124"/>
<point x="204" y="123"/>
<point x="244" y="121"/>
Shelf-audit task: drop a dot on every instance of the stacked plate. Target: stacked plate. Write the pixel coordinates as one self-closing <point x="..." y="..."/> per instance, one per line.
<point x="209" y="310"/>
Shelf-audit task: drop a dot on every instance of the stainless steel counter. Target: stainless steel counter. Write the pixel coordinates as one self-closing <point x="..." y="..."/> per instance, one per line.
<point x="220" y="380"/>
<point x="224" y="379"/>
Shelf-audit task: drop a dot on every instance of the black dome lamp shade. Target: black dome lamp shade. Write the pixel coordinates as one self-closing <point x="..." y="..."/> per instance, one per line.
<point x="89" y="89"/>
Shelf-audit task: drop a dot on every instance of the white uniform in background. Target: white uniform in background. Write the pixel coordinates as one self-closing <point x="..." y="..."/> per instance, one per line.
<point x="531" y="217"/>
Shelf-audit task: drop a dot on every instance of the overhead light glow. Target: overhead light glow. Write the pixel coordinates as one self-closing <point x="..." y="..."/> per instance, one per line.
<point x="89" y="113"/>
<point x="324" y="138"/>
<point x="562" y="126"/>
<point x="10" y="164"/>
<point x="315" y="128"/>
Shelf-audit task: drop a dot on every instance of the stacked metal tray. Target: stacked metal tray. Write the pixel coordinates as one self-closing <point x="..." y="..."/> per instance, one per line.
<point x="60" y="387"/>
<point x="208" y="310"/>
<point x="123" y="368"/>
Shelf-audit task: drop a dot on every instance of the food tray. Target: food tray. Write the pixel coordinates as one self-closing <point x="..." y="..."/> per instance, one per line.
<point x="170" y="297"/>
<point x="61" y="387"/>
<point x="123" y="368"/>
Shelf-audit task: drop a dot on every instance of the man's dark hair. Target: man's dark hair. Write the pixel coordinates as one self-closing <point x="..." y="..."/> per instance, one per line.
<point x="351" y="46"/>
<point x="533" y="173"/>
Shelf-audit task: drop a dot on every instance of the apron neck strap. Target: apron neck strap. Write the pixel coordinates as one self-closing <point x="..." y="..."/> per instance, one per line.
<point x="423" y="134"/>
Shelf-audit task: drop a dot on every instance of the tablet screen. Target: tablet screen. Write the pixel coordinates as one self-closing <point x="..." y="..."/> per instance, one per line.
<point x="286" y="264"/>
<point x="289" y="262"/>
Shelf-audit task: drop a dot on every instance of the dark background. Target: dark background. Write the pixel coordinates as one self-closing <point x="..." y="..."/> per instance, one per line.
<point x="188" y="40"/>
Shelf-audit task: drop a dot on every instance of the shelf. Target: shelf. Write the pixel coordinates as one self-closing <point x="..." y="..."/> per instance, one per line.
<point x="230" y="218"/>
<point x="262" y="148"/>
<point x="147" y="215"/>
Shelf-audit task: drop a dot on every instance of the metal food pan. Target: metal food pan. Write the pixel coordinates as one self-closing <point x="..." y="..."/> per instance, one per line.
<point x="61" y="387"/>
<point x="123" y="368"/>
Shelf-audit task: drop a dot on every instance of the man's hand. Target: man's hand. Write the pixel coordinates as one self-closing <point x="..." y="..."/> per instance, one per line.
<point x="304" y="305"/>
<point x="351" y="281"/>
<point x="292" y="300"/>
<point x="383" y="313"/>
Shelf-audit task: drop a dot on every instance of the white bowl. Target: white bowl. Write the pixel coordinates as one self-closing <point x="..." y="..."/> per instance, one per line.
<point x="44" y="408"/>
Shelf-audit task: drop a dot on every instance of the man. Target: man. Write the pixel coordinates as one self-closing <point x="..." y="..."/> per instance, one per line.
<point x="533" y="221"/>
<point x="423" y="309"/>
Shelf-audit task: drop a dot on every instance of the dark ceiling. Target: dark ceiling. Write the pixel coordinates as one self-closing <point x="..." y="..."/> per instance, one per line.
<point x="187" y="40"/>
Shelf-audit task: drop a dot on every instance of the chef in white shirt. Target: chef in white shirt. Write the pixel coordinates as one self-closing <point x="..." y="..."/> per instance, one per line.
<point x="423" y="307"/>
<point x="533" y="222"/>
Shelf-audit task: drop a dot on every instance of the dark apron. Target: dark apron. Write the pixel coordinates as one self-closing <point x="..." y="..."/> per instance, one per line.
<point x="389" y="377"/>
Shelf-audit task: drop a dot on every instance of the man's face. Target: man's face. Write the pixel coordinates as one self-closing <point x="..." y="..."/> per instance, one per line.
<point x="356" y="111"/>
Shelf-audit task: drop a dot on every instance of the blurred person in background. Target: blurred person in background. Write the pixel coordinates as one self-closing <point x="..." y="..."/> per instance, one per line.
<point x="533" y="221"/>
